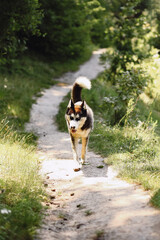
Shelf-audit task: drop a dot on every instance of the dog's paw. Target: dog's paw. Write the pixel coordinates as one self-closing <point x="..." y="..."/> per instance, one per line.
<point x="82" y="161"/>
<point x="86" y="163"/>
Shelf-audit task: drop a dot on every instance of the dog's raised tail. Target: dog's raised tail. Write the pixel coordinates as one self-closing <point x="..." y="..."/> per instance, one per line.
<point x="81" y="82"/>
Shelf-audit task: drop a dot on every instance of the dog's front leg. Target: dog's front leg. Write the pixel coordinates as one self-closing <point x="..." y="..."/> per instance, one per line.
<point x="74" y="142"/>
<point x="84" y="148"/>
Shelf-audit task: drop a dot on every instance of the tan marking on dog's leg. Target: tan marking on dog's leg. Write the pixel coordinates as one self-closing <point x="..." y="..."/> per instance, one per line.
<point x="84" y="148"/>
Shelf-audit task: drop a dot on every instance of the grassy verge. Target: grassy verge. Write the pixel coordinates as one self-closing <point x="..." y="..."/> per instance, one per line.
<point x="25" y="79"/>
<point x="21" y="187"/>
<point x="21" y="190"/>
<point x="132" y="149"/>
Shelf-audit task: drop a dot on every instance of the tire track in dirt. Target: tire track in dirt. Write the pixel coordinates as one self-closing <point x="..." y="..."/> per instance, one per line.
<point x="91" y="203"/>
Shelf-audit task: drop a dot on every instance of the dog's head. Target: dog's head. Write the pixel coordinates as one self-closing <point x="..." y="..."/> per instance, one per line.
<point x="76" y="115"/>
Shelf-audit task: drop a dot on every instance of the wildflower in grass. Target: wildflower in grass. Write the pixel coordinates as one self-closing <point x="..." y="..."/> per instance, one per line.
<point x="5" y="211"/>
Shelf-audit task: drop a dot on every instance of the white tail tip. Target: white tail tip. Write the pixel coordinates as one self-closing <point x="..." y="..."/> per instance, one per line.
<point x="83" y="82"/>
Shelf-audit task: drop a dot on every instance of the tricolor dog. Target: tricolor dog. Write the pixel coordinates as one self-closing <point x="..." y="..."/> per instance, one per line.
<point x="79" y="118"/>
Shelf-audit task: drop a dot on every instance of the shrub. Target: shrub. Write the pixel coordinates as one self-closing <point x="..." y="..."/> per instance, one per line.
<point x="64" y="28"/>
<point x="129" y="85"/>
<point x="18" y="19"/>
<point x="127" y="25"/>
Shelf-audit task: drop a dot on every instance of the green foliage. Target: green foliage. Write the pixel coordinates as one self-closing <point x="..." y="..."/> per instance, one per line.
<point x="129" y="85"/>
<point x="127" y="32"/>
<point x="127" y="23"/>
<point x="155" y="41"/>
<point x="56" y="29"/>
<point x="18" y="19"/>
<point x="156" y="199"/>
<point x="24" y="81"/>
<point x="17" y="88"/>
<point x="21" y="190"/>
<point x="61" y="114"/>
<point x="98" y="22"/>
<point x="65" y="28"/>
<point x="110" y="102"/>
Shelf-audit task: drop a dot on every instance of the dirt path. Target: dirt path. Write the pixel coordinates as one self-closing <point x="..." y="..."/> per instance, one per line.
<point x="91" y="204"/>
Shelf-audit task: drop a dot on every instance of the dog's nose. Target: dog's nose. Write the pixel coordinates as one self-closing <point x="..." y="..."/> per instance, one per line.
<point x="72" y="127"/>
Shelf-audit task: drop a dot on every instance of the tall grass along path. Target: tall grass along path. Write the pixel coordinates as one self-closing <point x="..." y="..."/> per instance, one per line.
<point x="92" y="203"/>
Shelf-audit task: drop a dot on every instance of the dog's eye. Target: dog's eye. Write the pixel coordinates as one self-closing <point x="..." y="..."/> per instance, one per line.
<point x="77" y="119"/>
<point x="71" y="118"/>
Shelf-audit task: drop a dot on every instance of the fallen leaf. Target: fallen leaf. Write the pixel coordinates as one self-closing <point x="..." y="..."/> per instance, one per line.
<point x="100" y="166"/>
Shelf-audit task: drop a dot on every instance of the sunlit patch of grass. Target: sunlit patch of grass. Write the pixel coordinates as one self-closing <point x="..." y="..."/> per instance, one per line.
<point x="146" y="99"/>
<point x="17" y="88"/>
<point x="21" y="190"/>
<point x="142" y="163"/>
<point x="18" y="163"/>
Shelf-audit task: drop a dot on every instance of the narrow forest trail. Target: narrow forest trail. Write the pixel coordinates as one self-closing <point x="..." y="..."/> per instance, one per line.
<point x="91" y="204"/>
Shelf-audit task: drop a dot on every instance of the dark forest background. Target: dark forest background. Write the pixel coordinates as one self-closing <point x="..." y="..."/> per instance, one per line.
<point x="64" y="29"/>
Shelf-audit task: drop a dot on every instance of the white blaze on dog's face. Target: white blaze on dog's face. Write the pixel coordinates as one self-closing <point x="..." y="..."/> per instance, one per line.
<point x="74" y="123"/>
<point x="76" y="116"/>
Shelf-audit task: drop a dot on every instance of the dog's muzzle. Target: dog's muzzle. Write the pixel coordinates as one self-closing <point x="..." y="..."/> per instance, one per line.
<point x="73" y="126"/>
<point x="73" y="129"/>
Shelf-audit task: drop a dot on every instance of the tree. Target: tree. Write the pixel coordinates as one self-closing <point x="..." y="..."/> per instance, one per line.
<point x="65" y="28"/>
<point x="127" y="23"/>
<point x="126" y="27"/>
<point x="18" y="18"/>
<point x="155" y="6"/>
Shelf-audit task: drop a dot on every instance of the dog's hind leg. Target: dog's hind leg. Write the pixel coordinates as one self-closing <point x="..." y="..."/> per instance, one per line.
<point x="84" y="148"/>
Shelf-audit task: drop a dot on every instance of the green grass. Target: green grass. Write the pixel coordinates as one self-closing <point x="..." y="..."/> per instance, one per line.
<point x="21" y="187"/>
<point x="25" y="79"/>
<point x="133" y="149"/>
<point x="21" y="190"/>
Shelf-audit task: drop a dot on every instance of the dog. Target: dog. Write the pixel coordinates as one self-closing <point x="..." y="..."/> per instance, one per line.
<point x="79" y="118"/>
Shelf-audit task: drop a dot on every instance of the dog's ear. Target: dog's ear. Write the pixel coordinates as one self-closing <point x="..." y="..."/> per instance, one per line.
<point x="70" y="104"/>
<point x="70" y="107"/>
<point x="83" y="105"/>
